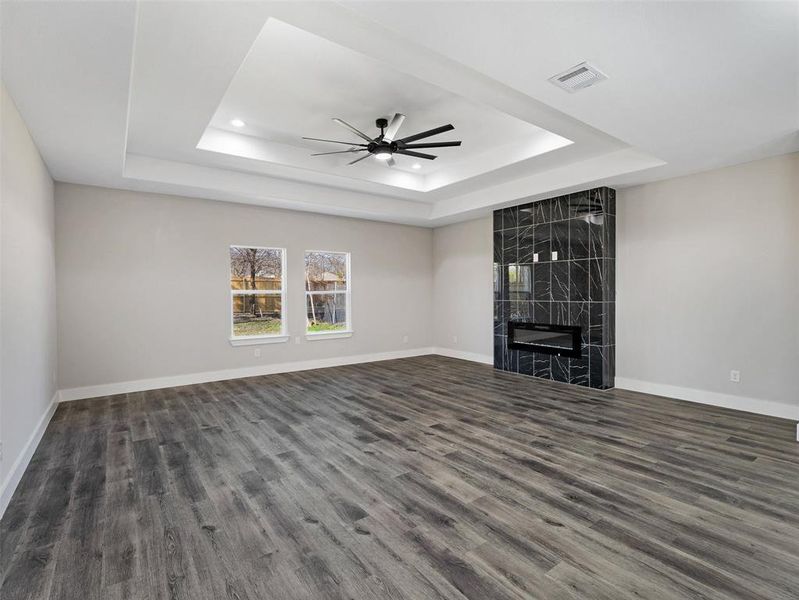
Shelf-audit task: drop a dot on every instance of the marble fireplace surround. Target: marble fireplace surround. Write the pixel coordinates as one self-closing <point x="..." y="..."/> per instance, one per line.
<point x="554" y="262"/>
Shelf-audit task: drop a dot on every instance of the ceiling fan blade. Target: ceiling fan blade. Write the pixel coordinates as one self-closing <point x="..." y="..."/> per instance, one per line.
<point x="359" y="159"/>
<point x="416" y="154"/>
<point x="360" y="134"/>
<point x="340" y="151"/>
<point x="432" y="145"/>
<point x="424" y="134"/>
<point x="393" y="127"/>
<point x="333" y="141"/>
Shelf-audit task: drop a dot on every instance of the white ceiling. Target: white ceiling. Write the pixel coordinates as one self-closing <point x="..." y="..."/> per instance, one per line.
<point x="293" y="81"/>
<point x="141" y="96"/>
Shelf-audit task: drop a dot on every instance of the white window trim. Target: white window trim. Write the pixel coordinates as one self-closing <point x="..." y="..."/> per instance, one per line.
<point x="273" y="338"/>
<point x="315" y="336"/>
<point x="337" y="334"/>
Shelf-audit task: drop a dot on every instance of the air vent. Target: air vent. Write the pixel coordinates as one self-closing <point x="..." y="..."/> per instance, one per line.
<point x="578" y="77"/>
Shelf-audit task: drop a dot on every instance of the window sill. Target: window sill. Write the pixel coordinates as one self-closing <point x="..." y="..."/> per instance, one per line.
<point x="257" y="340"/>
<point x="328" y="335"/>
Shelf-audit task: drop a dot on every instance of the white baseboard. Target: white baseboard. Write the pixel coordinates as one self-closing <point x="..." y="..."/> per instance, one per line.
<point x="23" y="459"/>
<point x="472" y="356"/>
<point x="753" y="405"/>
<point x="141" y="385"/>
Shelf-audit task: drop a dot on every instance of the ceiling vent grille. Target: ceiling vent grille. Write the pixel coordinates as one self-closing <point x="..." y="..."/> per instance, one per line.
<point x="578" y="77"/>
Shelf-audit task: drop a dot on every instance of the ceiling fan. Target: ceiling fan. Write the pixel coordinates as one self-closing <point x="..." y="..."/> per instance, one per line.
<point x="385" y="146"/>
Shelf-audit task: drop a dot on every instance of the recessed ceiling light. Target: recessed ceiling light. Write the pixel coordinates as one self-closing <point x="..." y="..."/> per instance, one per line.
<point x="383" y="155"/>
<point x="416" y="166"/>
<point x="237" y="123"/>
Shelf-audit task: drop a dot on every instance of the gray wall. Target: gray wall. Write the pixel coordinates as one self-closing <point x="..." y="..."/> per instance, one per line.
<point x="143" y="284"/>
<point x="708" y="281"/>
<point x="463" y="280"/>
<point x="27" y="290"/>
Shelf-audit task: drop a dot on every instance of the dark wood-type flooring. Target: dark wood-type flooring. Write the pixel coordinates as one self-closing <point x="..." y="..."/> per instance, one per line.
<point x="422" y="478"/>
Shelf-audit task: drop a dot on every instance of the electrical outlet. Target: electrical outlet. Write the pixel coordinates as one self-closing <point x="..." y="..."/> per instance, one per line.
<point x="404" y="339"/>
<point x="257" y="352"/>
<point x="555" y="255"/>
<point x="735" y="376"/>
<point x="296" y="339"/>
<point x="454" y="339"/>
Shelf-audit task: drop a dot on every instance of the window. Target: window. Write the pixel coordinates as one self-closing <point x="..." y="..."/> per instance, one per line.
<point x="257" y="294"/>
<point x="327" y="293"/>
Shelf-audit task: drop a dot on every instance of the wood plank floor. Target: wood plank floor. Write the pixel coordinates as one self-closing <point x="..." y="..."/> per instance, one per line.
<point x="423" y="478"/>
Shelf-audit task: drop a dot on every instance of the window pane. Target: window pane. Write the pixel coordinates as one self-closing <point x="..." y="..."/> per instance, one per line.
<point x="326" y="312"/>
<point x="256" y="314"/>
<point x="325" y="271"/>
<point x="256" y="268"/>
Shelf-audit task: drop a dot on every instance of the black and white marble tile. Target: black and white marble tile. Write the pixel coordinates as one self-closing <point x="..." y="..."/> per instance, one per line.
<point x="580" y="315"/>
<point x="610" y="200"/>
<point x="501" y="316"/>
<point x="596" y="359"/>
<point x="499" y="282"/>
<point x="577" y="288"/>
<point x="498" y="246"/>
<point x="510" y="218"/>
<point x="510" y="360"/>
<point x="498" y="220"/>
<point x="542" y="365"/>
<point x="526" y="242"/>
<point x="543" y="212"/>
<point x="560" y="240"/>
<point x="598" y="320"/>
<point x="579" y="204"/>
<point x="597" y="279"/>
<point x="578" y="371"/>
<point x="542" y="286"/>
<point x="510" y="246"/>
<point x="578" y="280"/>
<point x="559" y="208"/>
<point x="520" y="310"/>
<point x="579" y="238"/>
<point x="543" y="241"/>
<point x="560" y="369"/>
<point x="526" y="215"/>
<point x="609" y="324"/>
<point x="596" y="240"/>
<point x="526" y="363"/>
<point x="542" y="312"/>
<point x="499" y="351"/>
<point x="560" y="280"/>
<point x="561" y="314"/>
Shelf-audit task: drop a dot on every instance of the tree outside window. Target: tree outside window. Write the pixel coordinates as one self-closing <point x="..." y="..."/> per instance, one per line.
<point x="327" y="291"/>
<point x="257" y="291"/>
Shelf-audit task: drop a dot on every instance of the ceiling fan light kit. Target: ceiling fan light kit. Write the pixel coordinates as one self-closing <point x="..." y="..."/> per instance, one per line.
<point x="385" y="146"/>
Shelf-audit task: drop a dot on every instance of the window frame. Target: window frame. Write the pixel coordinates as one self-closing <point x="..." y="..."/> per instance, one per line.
<point x="329" y="335"/>
<point x="271" y="338"/>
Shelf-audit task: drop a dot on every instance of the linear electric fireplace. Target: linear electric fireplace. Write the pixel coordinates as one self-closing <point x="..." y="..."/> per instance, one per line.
<point x="561" y="340"/>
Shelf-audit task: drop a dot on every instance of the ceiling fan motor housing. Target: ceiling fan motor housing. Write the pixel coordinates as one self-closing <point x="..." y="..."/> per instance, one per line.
<point x="385" y="146"/>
